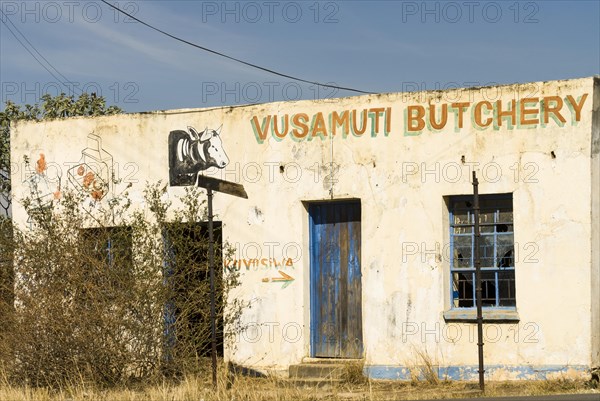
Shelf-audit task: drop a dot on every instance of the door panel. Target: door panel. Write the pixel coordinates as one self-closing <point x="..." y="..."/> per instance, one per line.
<point x="336" y="313"/>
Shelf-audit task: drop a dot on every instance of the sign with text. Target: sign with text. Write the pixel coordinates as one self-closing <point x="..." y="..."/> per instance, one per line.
<point x="529" y="112"/>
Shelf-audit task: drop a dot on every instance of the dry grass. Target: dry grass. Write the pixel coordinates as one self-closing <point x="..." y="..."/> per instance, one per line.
<point x="258" y="389"/>
<point x="424" y="368"/>
<point x="353" y="374"/>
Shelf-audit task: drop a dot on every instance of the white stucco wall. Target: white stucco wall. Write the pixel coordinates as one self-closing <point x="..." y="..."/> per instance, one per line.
<point x="401" y="180"/>
<point x="595" y="201"/>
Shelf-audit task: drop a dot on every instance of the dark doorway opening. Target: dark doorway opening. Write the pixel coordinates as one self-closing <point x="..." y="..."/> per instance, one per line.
<point x="186" y="274"/>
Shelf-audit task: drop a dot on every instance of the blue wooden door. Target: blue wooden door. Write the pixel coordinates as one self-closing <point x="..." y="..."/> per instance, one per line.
<point x="335" y="280"/>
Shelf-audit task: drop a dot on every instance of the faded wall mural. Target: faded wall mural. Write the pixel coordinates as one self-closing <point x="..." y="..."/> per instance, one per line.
<point x="42" y="185"/>
<point x="191" y="152"/>
<point x="93" y="174"/>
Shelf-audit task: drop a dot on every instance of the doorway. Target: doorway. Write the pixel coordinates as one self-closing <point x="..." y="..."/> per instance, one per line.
<point x="335" y="279"/>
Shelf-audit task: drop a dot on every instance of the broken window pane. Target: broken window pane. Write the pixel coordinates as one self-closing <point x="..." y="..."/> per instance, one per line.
<point x="462" y="251"/>
<point x="461" y="217"/>
<point x="505" y="216"/>
<point x="463" y="285"/>
<point x="505" y="248"/>
<point x="487" y="216"/>
<point x="496" y="251"/>
<point x="488" y="289"/>
<point x="486" y="250"/>
<point x="506" y="288"/>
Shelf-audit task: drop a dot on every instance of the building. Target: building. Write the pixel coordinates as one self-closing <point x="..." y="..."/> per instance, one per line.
<point x="356" y="237"/>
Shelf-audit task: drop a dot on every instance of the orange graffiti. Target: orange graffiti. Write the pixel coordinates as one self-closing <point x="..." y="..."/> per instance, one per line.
<point x="88" y="179"/>
<point x="97" y="195"/>
<point x="285" y="278"/>
<point x="41" y="166"/>
<point x="256" y="264"/>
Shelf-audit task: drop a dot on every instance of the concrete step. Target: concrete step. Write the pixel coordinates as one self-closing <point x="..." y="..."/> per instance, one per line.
<point x="317" y="371"/>
<point x="331" y="361"/>
<point x="326" y="370"/>
<point x="313" y="383"/>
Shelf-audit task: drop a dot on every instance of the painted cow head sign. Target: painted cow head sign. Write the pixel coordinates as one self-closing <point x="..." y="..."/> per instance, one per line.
<point x="191" y="152"/>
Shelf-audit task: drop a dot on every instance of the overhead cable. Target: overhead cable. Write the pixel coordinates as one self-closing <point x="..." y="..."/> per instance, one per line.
<point x="35" y="53"/>
<point x="270" y="71"/>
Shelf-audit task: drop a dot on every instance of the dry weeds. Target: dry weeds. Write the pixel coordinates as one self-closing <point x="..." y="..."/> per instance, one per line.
<point x="198" y="388"/>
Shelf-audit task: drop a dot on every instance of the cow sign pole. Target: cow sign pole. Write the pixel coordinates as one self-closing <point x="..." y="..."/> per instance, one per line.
<point x="230" y="188"/>
<point x="477" y="257"/>
<point x="211" y="264"/>
<point x="191" y="152"/>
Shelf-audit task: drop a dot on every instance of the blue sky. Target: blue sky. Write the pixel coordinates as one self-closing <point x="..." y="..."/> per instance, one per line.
<point x="375" y="46"/>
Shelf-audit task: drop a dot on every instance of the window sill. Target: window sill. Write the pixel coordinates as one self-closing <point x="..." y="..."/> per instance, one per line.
<point x="489" y="315"/>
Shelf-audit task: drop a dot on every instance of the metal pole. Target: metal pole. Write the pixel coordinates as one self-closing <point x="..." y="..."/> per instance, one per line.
<point x="211" y="263"/>
<point x="478" y="281"/>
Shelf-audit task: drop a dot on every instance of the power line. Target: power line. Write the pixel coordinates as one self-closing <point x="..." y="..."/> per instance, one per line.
<point x="230" y="57"/>
<point x="5" y="19"/>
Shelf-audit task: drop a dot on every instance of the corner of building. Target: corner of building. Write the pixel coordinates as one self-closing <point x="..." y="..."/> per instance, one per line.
<point x="595" y="229"/>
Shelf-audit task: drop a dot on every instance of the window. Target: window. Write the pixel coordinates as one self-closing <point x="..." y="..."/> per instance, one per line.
<point x="496" y="250"/>
<point x="108" y="257"/>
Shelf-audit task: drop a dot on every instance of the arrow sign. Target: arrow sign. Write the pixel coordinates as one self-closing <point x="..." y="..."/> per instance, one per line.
<point x="227" y="187"/>
<point x="285" y="278"/>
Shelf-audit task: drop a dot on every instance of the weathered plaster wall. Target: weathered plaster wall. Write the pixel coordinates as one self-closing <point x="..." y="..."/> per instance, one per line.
<point x="595" y="200"/>
<point x="401" y="180"/>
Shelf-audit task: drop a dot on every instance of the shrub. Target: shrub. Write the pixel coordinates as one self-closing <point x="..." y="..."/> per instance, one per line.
<point x="108" y="295"/>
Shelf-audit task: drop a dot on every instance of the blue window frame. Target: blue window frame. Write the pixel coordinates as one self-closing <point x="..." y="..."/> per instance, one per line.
<point x="496" y="251"/>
